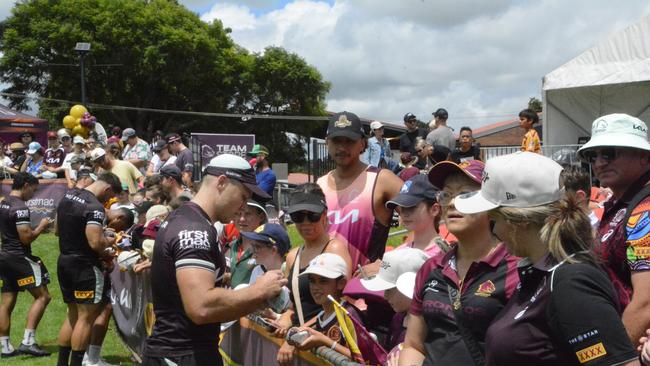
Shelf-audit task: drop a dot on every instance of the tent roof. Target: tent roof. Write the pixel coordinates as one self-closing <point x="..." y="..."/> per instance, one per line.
<point x="620" y="58"/>
<point x="9" y="115"/>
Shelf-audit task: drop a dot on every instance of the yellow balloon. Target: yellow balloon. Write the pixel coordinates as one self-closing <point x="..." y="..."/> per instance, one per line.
<point x="77" y="122"/>
<point x="69" y="122"/>
<point x="78" y="111"/>
<point x="80" y="130"/>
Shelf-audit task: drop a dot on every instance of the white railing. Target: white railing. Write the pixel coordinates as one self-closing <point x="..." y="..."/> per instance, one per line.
<point x="563" y="154"/>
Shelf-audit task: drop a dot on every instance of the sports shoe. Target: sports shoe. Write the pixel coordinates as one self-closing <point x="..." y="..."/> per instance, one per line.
<point x="101" y="362"/>
<point x="34" y="350"/>
<point x="10" y="354"/>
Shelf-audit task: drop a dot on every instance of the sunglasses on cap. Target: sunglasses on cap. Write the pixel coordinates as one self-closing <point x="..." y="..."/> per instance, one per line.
<point x="300" y="216"/>
<point x="608" y="154"/>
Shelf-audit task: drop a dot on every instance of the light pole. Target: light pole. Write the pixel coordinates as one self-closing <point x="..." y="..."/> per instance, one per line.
<point x="82" y="48"/>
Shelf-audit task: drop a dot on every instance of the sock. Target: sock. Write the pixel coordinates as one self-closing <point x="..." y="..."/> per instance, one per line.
<point x="93" y="354"/>
<point x="30" y="337"/>
<point x="77" y="358"/>
<point x="6" y="346"/>
<point x="64" y="356"/>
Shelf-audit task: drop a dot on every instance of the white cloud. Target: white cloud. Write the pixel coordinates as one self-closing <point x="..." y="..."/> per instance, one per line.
<point x="385" y="58"/>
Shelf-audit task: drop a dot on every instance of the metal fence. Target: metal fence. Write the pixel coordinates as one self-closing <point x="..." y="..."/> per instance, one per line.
<point x="563" y="154"/>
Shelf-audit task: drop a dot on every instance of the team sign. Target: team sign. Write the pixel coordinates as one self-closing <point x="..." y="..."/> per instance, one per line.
<point x="212" y="145"/>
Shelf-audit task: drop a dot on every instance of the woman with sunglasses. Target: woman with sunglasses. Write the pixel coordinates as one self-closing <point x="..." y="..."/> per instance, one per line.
<point x="468" y="285"/>
<point x="565" y="310"/>
<point x="378" y="152"/>
<point x="308" y="211"/>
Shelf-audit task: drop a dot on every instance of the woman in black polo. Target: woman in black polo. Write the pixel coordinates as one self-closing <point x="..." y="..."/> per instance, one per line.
<point x="565" y="311"/>
<point x="458" y="293"/>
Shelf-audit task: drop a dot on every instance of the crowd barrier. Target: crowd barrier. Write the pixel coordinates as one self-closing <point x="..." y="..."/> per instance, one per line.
<point x="244" y="343"/>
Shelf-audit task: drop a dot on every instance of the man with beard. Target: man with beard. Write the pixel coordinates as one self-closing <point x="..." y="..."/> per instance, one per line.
<point x="264" y="176"/>
<point x="19" y="269"/>
<point x="356" y="193"/>
<point x="83" y="244"/>
<point x="189" y="301"/>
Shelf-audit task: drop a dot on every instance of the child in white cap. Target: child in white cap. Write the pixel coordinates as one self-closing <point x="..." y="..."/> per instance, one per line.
<point x="327" y="277"/>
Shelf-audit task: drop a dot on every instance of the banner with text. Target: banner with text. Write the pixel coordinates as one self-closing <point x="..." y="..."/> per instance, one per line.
<point x="45" y="200"/>
<point x="214" y="144"/>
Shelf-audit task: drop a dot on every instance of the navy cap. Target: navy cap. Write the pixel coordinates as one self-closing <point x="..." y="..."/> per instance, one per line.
<point x="273" y="234"/>
<point x="171" y="171"/>
<point x="414" y="191"/>
<point x="441" y="113"/>
<point x="159" y="145"/>
<point x="409" y="117"/>
<point x="345" y="124"/>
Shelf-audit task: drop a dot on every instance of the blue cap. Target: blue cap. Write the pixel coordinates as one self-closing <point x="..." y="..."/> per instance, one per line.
<point x="273" y="234"/>
<point x="414" y="191"/>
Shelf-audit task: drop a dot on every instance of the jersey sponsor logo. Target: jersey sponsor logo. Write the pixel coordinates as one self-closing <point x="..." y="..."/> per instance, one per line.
<point x="98" y="215"/>
<point x="485" y="289"/>
<point x="22" y="214"/>
<point x="606" y="235"/>
<point x="431" y="286"/>
<point x="26" y="281"/>
<point x="334" y="333"/>
<point x="642" y="252"/>
<point x="591" y="353"/>
<point x="583" y="337"/>
<point x="194" y="239"/>
<point x="84" y="294"/>
<point x="72" y="197"/>
<point x="337" y="217"/>
<point x="620" y="214"/>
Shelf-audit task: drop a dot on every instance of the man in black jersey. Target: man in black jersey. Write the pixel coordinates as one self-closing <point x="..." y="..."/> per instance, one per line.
<point x="19" y="269"/>
<point x="188" y="269"/>
<point x="83" y="244"/>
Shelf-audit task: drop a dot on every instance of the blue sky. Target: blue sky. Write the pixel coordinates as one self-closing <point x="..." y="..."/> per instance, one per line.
<point x="481" y="60"/>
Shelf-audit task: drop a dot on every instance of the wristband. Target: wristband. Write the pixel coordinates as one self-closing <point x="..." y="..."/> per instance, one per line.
<point x="334" y="345"/>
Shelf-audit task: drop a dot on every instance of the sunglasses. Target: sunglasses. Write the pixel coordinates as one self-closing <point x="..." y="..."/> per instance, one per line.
<point x="299" y="217"/>
<point x="608" y="154"/>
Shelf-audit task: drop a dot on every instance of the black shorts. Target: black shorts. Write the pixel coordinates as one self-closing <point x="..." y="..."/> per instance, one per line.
<point x="82" y="280"/>
<point x="195" y="359"/>
<point x="18" y="273"/>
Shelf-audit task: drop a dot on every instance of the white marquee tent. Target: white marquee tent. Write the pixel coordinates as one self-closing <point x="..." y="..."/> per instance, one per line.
<point x="611" y="77"/>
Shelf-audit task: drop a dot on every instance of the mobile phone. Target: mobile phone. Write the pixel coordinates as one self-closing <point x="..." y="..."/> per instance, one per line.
<point x="295" y="337"/>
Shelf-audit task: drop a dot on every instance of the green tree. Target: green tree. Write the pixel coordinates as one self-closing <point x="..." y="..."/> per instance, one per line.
<point x="535" y="104"/>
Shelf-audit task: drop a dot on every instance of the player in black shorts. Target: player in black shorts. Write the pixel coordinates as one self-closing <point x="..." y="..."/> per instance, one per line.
<point x="19" y="269"/>
<point x="188" y="269"/>
<point x="83" y="244"/>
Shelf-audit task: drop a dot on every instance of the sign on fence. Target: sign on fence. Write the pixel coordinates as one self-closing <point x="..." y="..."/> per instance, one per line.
<point x="45" y="200"/>
<point x="214" y="144"/>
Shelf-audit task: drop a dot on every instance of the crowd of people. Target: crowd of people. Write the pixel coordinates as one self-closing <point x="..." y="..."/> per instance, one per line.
<point x="507" y="262"/>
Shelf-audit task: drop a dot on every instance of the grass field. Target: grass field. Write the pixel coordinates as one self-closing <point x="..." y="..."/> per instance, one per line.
<point x="47" y="247"/>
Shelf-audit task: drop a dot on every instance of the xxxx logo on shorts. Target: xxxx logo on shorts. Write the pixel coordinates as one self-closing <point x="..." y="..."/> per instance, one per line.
<point x="26" y="281"/>
<point x="591" y="353"/>
<point x="84" y="294"/>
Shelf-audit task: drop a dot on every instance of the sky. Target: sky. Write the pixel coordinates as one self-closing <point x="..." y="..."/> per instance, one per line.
<point x="479" y="59"/>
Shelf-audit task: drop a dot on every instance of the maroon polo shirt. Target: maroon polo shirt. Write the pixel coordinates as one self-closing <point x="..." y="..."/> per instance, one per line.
<point x="561" y="314"/>
<point x="625" y="247"/>
<point x="485" y="290"/>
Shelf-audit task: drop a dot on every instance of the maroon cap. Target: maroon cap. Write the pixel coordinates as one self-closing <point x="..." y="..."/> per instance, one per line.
<point x="472" y="168"/>
<point x="51" y="135"/>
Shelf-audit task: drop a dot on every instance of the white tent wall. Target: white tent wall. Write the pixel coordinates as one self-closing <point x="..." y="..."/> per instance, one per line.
<point x="568" y="113"/>
<point x="611" y="77"/>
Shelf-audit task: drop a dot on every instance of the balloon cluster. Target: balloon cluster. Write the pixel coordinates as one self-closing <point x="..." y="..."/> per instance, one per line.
<point x="79" y="122"/>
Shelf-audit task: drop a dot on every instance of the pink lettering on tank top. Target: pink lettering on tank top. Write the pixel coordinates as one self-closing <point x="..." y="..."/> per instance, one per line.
<point x="350" y="213"/>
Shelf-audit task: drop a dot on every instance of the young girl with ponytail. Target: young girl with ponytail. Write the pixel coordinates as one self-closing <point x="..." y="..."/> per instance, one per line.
<point x="565" y="310"/>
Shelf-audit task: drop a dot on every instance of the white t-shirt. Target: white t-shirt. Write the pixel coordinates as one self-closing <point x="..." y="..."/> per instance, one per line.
<point x="158" y="164"/>
<point x="6" y="162"/>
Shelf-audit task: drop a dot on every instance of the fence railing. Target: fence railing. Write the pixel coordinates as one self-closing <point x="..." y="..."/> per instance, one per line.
<point x="563" y="154"/>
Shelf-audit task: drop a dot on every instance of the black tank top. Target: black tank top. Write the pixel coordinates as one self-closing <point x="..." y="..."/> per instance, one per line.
<point x="309" y="307"/>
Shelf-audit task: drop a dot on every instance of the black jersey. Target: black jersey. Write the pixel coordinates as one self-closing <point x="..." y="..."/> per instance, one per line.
<point x="77" y="209"/>
<point x="187" y="239"/>
<point x="13" y="212"/>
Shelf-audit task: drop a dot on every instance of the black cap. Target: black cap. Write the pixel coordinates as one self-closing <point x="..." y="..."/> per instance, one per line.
<point x="414" y="191"/>
<point x="301" y="201"/>
<point x="171" y="171"/>
<point x="409" y="117"/>
<point x="345" y="124"/>
<point x="159" y="145"/>
<point x="441" y="113"/>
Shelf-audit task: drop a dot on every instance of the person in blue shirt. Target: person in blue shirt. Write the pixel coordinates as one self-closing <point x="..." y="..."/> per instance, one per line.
<point x="263" y="173"/>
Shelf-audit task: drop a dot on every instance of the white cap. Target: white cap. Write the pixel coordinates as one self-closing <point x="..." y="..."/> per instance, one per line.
<point x="155" y="211"/>
<point x="393" y="264"/>
<point x="618" y="129"/>
<point x="375" y="125"/>
<point x="522" y="179"/>
<point x="406" y="284"/>
<point x="78" y="140"/>
<point x="97" y="153"/>
<point x="327" y="265"/>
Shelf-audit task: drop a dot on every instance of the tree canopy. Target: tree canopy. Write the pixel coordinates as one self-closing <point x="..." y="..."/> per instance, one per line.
<point x="160" y="55"/>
